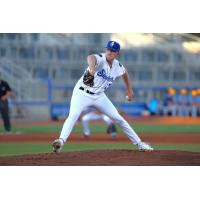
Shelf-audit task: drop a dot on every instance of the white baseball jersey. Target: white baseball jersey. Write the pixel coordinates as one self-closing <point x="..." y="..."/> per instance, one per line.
<point x="104" y="75"/>
<point x="84" y="96"/>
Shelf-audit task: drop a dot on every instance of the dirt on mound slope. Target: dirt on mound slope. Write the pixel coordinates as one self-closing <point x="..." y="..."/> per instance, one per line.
<point x="106" y="158"/>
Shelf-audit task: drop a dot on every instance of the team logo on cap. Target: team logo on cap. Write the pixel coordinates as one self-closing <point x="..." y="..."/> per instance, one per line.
<point x="112" y="44"/>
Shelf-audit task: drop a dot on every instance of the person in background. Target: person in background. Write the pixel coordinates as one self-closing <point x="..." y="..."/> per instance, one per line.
<point x="169" y="104"/>
<point x="5" y="93"/>
<point x="92" y="114"/>
<point x="198" y="101"/>
<point x="183" y="103"/>
<point x="193" y="103"/>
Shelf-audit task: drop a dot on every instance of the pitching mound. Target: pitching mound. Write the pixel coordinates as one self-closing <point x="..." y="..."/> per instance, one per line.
<point x="106" y="158"/>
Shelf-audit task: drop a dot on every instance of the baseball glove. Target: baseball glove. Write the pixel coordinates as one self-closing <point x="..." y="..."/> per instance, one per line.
<point x="111" y="129"/>
<point x="88" y="79"/>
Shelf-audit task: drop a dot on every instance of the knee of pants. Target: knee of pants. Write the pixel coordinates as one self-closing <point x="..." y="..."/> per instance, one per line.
<point x="85" y="118"/>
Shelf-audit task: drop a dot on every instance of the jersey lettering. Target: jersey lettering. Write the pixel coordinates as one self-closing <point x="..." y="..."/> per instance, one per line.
<point x="102" y="74"/>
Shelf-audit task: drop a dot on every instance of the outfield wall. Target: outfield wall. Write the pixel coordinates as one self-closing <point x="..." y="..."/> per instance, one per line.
<point x="56" y="101"/>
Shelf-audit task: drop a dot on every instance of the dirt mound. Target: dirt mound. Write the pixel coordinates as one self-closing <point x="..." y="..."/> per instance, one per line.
<point x="106" y="158"/>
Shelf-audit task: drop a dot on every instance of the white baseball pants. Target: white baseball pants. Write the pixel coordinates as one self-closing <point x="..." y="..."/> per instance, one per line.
<point x="79" y="101"/>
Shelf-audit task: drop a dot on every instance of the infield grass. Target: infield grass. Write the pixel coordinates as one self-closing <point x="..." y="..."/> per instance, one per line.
<point x="101" y="128"/>
<point x="10" y="149"/>
<point x="35" y="148"/>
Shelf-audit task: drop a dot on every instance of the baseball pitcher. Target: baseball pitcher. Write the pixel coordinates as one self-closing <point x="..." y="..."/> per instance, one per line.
<point x="102" y="70"/>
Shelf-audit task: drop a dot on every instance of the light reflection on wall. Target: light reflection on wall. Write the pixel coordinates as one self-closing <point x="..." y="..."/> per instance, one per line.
<point x="145" y="39"/>
<point x="193" y="47"/>
<point x="134" y="39"/>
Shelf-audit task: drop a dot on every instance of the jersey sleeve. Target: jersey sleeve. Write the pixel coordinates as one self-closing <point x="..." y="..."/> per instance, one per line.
<point x="121" y="69"/>
<point x="99" y="58"/>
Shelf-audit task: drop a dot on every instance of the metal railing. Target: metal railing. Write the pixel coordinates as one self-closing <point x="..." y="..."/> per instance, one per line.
<point x="22" y="83"/>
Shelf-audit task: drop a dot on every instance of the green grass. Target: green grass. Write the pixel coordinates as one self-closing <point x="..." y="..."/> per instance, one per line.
<point x="101" y="128"/>
<point x="26" y="148"/>
<point x="9" y="149"/>
<point x="167" y="128"/>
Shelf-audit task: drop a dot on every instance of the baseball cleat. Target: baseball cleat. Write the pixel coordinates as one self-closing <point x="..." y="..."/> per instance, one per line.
<point x="57" y="145"/>
<point x="114" y="135"/>
<point x="111" y="129"/>
<point x="142" y="146"/>
<point x="86" y="136"/>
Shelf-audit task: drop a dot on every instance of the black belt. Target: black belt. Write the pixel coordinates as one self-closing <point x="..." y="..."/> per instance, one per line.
<point x="87" y="91"/>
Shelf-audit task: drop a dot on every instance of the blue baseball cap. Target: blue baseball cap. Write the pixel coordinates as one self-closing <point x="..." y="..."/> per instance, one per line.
<point x="115" y="46"/>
